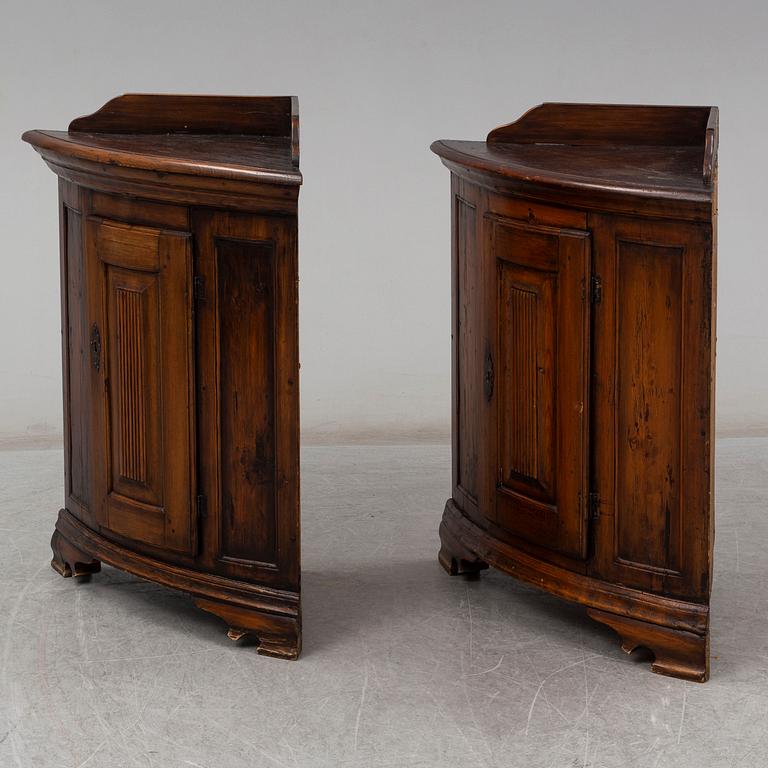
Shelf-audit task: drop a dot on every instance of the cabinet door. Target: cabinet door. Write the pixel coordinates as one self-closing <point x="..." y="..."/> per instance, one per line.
<point x="653" y="400"/>
<point x="141" y="341"/>
<point x="248" y="401"/>
<point x="540" y="382"/>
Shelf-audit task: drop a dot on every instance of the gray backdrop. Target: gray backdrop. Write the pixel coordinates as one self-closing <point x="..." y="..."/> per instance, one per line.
<point x="377" y="82"/>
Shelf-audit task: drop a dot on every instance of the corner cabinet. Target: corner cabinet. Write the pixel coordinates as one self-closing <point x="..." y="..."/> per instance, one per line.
<point x="178" y="232"/>
<point x="583" y="365"/>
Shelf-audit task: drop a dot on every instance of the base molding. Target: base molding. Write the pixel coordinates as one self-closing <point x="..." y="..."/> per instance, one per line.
<point x="277" y="636"/>
<point x="273" y="616"/>
<point x="676" y="653"/>
<point x="456" y="559"/>
<point x="69" y="561"/>
<point x="677" y="631"/>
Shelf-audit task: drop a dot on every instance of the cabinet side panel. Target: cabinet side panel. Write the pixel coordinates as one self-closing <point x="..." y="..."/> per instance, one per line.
<point x="648" y="401"/>
<point x="77" y="340"/>
<point x="246" y="300"/>
<point x="468" y="346"/>
<point x="653" y="401"/>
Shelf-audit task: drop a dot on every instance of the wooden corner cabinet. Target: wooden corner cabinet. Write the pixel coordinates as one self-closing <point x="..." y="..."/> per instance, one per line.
<point x="178" y="233"/>
<point x="583" y="365"/>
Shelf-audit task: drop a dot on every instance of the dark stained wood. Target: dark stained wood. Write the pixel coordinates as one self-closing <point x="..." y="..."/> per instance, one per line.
<point x="180" y="352"/>
<point x="144" y="469"/>
<point x="246" y="284"/>
<point x="619" y="158"/>
<point x="247" y="322"/>
<point x="677" y="653"/>
<point x="598" y="177"/>
<point x="653" y="399"/>
<point x="178" y="188"/>
<point x="472" y="413"/>
<point x="470" y="348"/>
<point x="607" y="124"/>
<point x="541" y="341"/>
<point x="134" y="211"/>
<point x="134" y="113"/>
<point x="261" y="159"/>
<point x="76" y="364"/>
<point x="648" y="389"/>
<point x="584" y="319"/>
<point x="710" y="146"/>
<point x="250" y="163"/>
<point x="277" y="636"/>
<point x="463" y="538"/>
<point x="295" y="131"/>
<point x="69" y="561"/>
<point x="536" y="213"/>
<point x="278" y="611"/>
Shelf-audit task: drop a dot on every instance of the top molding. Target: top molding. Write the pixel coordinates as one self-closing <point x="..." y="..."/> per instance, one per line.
<point x="193" y="149"/>
<point x="149" y="113"/>
<point x="616" y="124"/>
<point x="658" y="159"/>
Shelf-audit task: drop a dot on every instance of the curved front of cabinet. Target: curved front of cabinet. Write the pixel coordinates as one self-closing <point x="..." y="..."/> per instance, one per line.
<point x="180" y="350"/>
<point x="582" y="412"/>
<point x="179" y="275"/>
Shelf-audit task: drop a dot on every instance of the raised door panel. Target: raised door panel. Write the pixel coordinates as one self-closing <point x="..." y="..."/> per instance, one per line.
<point x="248" y="394"/>
<point x="144" y="412"/>
<point x="653" y="389"/>
<point x="526" y="380"/>
<point x="541" y="383"/>
<point x="648" y="389"/>
<point x="246" y="299"/>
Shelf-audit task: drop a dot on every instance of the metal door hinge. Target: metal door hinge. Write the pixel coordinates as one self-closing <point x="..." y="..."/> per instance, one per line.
<point x="198" y="287"/>
<point x="488" y="376"/>
<point x="202" y="511"/>
<point x="594" y="506"/>
<point x="595" y="289"/>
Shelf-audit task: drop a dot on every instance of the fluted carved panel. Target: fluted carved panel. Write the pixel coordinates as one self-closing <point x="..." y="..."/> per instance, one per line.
<point x="130" y="385"/>
<point x="519" y="351"/>
<point x="542" y="343"/>
<point x="147" y="408"/>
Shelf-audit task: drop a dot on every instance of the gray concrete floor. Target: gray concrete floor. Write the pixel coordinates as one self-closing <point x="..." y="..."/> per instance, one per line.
<point x="403" y="666"/>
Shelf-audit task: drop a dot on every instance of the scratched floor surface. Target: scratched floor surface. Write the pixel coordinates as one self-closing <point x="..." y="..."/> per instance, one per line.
<point x="403" y="666"/>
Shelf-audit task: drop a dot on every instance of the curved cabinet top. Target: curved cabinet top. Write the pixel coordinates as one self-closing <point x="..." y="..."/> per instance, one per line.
<point x="637" y="159"/>
<point x="218" y="144"/>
